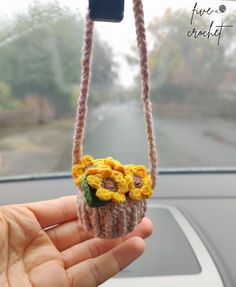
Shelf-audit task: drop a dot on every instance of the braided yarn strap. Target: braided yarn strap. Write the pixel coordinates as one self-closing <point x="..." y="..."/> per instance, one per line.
<point x="82" y="107"/>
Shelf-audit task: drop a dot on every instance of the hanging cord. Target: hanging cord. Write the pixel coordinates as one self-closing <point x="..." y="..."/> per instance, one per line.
<point x="147" y="107"/>
<point x="82" y="107"/>
<point x="84" y="89"/>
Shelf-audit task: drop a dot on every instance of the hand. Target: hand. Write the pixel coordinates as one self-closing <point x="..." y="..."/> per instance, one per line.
<point x="33" y="253"/>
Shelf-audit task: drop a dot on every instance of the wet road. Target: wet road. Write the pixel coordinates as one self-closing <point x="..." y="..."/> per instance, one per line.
<point x="119" y="131"/>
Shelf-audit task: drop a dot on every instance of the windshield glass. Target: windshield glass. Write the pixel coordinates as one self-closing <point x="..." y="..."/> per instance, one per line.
<point x="191" y="50"/>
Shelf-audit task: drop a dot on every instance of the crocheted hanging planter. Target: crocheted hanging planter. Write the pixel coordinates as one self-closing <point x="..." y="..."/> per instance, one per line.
<point x="112" y="197"/>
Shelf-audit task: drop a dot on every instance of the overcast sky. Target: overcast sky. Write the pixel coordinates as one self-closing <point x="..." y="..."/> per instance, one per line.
<point x="119" y="36"/>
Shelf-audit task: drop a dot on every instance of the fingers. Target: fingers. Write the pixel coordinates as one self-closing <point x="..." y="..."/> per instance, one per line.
<point x="93" y="272"/>
<point x="95" y="247"/>
<point x="71" y="233"/>
<point x="67" y="234"/>
<point x="54" y="211"/>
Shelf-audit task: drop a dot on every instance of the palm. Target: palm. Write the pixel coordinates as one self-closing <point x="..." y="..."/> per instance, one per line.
<point x="32" y="254"/>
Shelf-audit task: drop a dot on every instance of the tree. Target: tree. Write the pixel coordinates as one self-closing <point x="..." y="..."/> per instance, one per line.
<point x="103" y="72"/>
<point x="229" y="40"/>
<point x="40" y="54"/>
<point x="181" y="67"/>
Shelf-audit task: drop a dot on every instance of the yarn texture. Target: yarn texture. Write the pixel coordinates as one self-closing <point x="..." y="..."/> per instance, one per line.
<point x="112" y="220"/>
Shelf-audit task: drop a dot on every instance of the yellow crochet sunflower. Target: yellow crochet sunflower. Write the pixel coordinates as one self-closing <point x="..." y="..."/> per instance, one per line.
<point x="138" y="181"/>
<point x="79" y="168"/>
<point x="104" y="164"/>
<point x="109" y="184"/>
<point x="110" y="180"/>
<point x="87" y="165"/>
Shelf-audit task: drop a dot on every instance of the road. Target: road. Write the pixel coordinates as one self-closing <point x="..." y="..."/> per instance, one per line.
<point x="118" y="130"/>
<point x="181" y="142"/>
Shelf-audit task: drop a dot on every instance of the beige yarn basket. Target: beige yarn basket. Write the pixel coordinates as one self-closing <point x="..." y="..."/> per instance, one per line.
<point x="111" y="220"/>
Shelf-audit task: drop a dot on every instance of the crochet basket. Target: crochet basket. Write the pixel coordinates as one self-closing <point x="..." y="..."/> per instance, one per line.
<point x="112" y="220"/>
<point x="112" y="197"/>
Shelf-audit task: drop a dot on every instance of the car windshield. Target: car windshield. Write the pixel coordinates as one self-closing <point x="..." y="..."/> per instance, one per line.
<point x="191" y="52"/>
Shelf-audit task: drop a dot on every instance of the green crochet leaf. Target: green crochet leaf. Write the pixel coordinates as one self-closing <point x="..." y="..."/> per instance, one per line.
<point x="89" y="194"/>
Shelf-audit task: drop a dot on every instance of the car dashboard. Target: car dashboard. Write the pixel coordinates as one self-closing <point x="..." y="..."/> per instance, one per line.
<point x="193" y="243"/>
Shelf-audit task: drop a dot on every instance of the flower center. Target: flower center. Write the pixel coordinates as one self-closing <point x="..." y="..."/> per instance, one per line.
<point x="138" y="182"/>
<point x="109" y="183"/>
